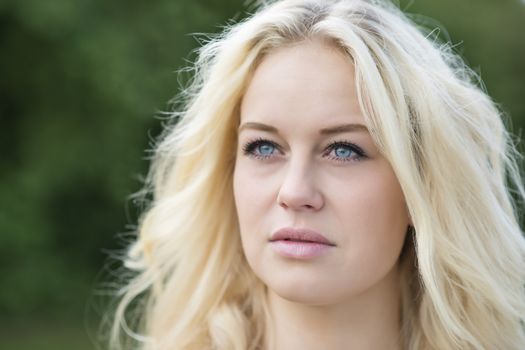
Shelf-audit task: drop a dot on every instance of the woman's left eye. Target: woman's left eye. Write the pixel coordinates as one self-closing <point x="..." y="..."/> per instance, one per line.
<point x="344" y="151"/>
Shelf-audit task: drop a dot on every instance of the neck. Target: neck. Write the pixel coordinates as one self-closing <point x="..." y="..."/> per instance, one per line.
<point x="369" y="321"/>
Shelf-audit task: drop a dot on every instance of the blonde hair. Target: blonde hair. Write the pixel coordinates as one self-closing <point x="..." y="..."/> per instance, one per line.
<point x="464" y="263"/>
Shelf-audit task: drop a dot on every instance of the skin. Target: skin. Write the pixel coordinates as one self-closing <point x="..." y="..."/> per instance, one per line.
<point x="292" y="177"/>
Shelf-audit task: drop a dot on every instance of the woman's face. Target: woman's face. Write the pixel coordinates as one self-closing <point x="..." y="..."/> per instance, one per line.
<point x="322" y="216"/>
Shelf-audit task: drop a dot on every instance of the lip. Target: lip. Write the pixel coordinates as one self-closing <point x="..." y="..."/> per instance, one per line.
<point x="299" y="243"/>
<point x="301" y="235"/>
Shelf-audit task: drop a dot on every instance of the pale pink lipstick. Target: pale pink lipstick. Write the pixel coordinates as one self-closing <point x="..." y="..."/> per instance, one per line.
<point x="299" y="243"/>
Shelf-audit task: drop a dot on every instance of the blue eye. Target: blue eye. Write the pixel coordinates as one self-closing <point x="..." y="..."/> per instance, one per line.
<point x="260" y="148"/>
<point x="344" y="151"/>
<point x="265" y="149"/>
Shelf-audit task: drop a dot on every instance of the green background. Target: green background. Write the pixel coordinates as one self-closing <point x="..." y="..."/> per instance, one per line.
<point x="82" y="87"/>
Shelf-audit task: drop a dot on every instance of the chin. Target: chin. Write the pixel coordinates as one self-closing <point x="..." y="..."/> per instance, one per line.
<point x="304" y="298"/>
<point x="306" y="292"/>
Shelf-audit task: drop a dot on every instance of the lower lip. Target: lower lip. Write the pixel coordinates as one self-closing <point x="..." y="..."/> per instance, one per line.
<point x="300" y="250"/>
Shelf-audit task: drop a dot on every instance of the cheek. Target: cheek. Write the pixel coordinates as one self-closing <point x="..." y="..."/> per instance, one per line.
<point x="245" y="190"/>
<point x="255" y="189"/>
<point x="371" y="199"/>
<point x="374" y="222"/>
<point x="240" y="197"/>
<point x="252" y="200"/>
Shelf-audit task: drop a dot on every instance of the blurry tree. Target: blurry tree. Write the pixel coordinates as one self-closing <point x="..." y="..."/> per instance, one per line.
<point x="80" y="85"/>
<point x="488" y="34"/>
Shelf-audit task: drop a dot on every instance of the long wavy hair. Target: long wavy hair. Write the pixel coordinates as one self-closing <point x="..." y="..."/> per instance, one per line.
<point x="464" y="262"/>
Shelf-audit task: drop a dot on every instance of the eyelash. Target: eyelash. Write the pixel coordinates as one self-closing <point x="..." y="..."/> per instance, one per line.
<point x="250" y="147"/>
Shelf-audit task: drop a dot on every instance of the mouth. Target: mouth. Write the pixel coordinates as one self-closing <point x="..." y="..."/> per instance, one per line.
<point x="300" y="235"/>
<point x="300" y="244"/>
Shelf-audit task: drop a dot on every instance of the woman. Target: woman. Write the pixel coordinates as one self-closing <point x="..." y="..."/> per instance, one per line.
<point x="336" y="181"/>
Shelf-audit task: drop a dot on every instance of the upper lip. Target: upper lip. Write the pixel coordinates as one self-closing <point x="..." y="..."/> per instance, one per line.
<point x="300" y="234"/>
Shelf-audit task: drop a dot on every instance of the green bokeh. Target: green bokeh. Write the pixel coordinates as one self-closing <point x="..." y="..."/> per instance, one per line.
<point x="82" y="85"/>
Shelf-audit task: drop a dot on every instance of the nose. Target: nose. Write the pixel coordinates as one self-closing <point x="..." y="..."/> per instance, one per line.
<point x="299" y="190"/>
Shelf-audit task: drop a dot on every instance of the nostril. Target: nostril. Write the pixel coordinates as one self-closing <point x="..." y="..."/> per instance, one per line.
<point x="294" y="198"/>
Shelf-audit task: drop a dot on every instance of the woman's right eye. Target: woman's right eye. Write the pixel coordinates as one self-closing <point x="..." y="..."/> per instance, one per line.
<point x="260" y="148"/>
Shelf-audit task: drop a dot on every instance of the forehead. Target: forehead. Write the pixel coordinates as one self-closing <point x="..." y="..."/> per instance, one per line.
<point x="312" y="81"/>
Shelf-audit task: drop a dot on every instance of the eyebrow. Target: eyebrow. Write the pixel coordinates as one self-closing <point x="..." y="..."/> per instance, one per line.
<point x="353" y="127"/>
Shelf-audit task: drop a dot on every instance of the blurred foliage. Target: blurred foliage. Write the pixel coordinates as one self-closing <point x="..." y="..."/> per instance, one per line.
<point x="82" y="83"/>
